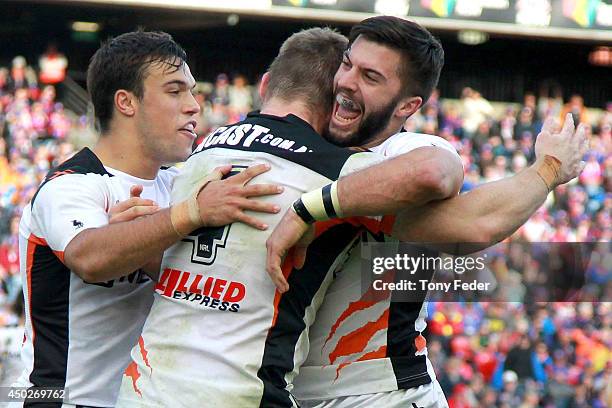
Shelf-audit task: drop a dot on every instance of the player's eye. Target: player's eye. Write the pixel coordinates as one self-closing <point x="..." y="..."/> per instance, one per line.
<point x="371" y="77"/>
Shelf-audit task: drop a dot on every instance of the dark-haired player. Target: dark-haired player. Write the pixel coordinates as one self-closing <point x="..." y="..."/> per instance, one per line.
<point x="86" y="296"/>
<point x="370" y="354"/>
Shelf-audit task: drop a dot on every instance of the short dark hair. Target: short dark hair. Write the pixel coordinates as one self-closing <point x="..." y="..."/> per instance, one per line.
<point x="422" y="53"/>
<point x="122" y="62"/>
<point x="305" y="67"/>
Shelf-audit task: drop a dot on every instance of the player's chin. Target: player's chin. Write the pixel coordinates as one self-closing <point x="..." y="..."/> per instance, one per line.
<point x="341" y="133"/>
<point x="179" y="153"/>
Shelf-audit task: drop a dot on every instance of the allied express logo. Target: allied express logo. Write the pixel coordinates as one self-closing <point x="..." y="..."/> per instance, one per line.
<point x="207" y="291"/>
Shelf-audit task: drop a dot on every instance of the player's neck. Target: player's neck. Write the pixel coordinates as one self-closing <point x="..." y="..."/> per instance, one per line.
<point x="278" y="107"/>
<point x="121" y="152"/>
<point x="392" y="128"/>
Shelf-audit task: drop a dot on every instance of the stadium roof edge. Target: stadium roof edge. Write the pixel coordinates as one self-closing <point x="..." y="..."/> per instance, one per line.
<point x="263" y="8"/>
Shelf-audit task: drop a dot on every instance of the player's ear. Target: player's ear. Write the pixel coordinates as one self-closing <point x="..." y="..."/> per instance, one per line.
<point x="124" y="102"/>
<point x="263" y="85"/>
<point x="408" y="105"/>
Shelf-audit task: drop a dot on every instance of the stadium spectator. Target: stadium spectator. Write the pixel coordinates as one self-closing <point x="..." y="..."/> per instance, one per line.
<point x="240" y="96"/>
<point x="525" y="125"/>
<point x="221" y="90"/>
<point x="475" y="110"/>
<point x="576" y="107"/>
<point x="53" y="65"/>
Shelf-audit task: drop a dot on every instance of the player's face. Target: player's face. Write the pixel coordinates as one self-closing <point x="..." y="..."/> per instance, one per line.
<point x="367" y="92"/>
<point x="167" y="114"/>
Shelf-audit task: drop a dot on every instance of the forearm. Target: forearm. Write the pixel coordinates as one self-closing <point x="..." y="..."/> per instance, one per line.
<point x="153" y="267"/>
<point x="407" y="181"/>
<point x="112" y="251"/>
<point x="485" y="215"/>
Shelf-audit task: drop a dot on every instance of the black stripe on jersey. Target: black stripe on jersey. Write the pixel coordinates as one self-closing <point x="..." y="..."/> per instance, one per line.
<point x="319" y="156"/>
<point x="50" y="285"/>
<point x="84" y="162"/>
<point x="279" y="349"/>
<point x="410" y="370"/>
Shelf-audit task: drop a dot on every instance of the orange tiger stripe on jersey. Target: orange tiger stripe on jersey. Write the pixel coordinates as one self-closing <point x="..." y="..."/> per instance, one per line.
<point x="368" y="299"/>
<point x="144" y="353"/>
<point x="357" y="340"/>
<point x="353" y="307"/>
<point x="132" y="371"/>
<point x="380" y="353"/>
<point x="420" y="342"/>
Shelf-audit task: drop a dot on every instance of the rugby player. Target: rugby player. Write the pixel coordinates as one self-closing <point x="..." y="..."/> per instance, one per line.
<point x="367" y="353"/>
<point x="218" y="333"/>
<point x="85" y="296"/>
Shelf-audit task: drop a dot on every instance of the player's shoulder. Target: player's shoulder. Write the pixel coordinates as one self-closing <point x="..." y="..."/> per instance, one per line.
<point x="77" y="175"/>
<point x="287" y="137"/>
<point x="403" y="142"/>
<point x="83" y="162"/>
<point x="167" y="174"/>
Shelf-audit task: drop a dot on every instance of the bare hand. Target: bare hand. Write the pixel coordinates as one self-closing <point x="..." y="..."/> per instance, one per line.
<point x="132" y="208"/>
<point x="567" y="145"/>
<point x="291" y="232"/>
<point x="223" y="202"/>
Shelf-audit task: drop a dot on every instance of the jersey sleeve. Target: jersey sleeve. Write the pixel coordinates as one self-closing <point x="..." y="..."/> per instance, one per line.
<point x="359" y="161"/>
<point x="406" y="142"/>
<point x="66" y="206"/>
<point x="374" y="223"/>
<point x="167" y="176"/>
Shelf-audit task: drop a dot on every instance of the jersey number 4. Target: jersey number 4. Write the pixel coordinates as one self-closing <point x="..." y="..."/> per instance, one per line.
<point x="207" y="241"/>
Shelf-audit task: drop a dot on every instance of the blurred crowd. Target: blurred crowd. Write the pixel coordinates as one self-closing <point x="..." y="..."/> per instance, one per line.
<point x="34" y="136"/>
<point x="512" y="354"/>
<point x="519" y="352"/>
<point x="522" y="355"/>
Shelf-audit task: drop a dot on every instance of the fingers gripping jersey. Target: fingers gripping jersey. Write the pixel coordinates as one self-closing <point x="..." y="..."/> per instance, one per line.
<point x="219" y="334"/>
<point x="359" y="346"/>
<point x="78" y="335"/>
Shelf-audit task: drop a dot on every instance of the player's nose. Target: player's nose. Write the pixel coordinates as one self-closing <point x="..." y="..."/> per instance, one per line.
<point x="192" y="106"/>
<point x="347" y="80"/>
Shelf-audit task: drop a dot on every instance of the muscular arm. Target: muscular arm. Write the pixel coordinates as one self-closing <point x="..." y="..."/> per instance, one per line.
<point x="485" y="215"/>
<point x="111" y="251"/>
<point x="495" y="210"/>
<point x="407" y="181"/>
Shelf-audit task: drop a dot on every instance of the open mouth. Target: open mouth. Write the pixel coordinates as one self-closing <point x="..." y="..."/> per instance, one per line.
<point x="189" y="130"/>
<point x="346" y="111"/>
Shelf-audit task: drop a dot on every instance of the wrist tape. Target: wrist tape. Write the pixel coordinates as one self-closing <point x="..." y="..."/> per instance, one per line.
<point x="549" y="170"/>
<point x="319" y="205"/>
<point x="185" y="216"/>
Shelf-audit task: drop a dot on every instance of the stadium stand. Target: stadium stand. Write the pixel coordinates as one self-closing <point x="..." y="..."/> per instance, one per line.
<point x="516" y="354"/>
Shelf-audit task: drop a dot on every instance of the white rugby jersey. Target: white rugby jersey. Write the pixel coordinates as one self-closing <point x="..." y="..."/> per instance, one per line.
<point x="362" y="343"/>
<point x="79" y="335"/>
<point x="219" y="334"/>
